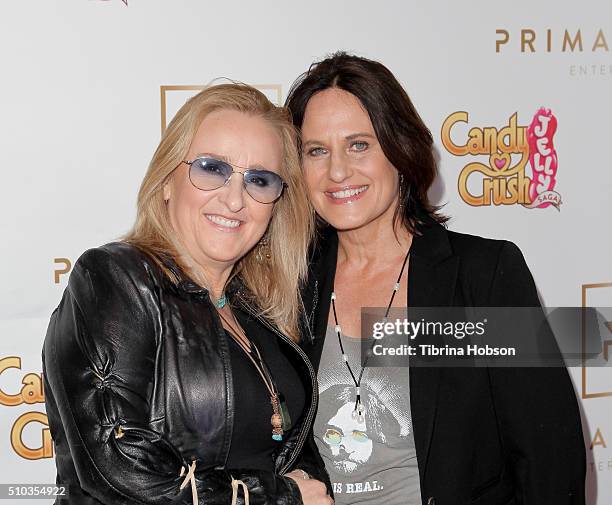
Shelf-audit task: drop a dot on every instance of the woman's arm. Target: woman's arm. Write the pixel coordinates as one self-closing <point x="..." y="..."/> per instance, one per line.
<point x="310" y="461"/>
<point x="99" y="364"/>
<point x="536" y="408"/>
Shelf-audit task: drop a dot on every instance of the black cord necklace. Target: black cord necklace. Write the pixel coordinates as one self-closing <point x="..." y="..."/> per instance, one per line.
<point x="359" y="409"/>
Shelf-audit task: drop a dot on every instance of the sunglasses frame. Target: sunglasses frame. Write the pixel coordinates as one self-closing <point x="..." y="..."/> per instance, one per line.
<point x="244" y="174"/>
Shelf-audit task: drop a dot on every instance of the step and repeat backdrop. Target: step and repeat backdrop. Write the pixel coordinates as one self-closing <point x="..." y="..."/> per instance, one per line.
<point x="518" y="98"/>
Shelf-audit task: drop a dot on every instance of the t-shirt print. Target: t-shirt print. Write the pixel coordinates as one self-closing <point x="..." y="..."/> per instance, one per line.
<point x="372" y="459"/>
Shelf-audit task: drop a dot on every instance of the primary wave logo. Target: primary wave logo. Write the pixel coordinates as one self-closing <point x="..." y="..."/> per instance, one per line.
<point x="503" y="180"/>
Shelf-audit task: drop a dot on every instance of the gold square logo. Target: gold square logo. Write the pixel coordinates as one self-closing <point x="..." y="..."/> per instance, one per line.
<point x="597" y="380"/>
<point x="174" y="96"/>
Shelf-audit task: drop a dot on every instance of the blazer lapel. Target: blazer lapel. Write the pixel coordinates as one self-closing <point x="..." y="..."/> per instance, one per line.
<point x="317" y="293"/>
<point x="432" y="276"/>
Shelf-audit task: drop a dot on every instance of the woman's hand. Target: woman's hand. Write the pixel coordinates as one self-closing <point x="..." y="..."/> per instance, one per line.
<point x="313" y="491"/>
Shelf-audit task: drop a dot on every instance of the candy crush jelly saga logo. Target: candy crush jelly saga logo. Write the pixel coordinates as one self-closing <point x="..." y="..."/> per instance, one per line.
<point x="504" y="177"/>
<point x="30" y="436"/>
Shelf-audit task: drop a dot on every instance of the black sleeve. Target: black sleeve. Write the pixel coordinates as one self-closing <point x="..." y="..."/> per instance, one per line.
<point x="311" y="462"/>
<point x="536" y="408"/>
<point x="310" y="459"/>
<point x="99" y="362"/>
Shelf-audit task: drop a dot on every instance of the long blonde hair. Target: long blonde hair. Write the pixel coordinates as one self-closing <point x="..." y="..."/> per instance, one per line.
<point x="274" y="282"/>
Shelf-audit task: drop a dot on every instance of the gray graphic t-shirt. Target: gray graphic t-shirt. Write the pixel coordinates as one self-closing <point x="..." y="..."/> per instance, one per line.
<point x="373" y="461"/>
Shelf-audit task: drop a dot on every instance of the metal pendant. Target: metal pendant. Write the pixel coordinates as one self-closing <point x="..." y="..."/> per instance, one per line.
<point x="276" y="420"/>
<point x="358" y="413"/>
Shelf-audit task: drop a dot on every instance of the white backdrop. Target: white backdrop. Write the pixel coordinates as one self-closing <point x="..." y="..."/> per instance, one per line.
<point x="87" y="85"/>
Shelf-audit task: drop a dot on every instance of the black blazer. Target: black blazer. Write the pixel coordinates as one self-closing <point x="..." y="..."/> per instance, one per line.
<point x="483" y="436"/>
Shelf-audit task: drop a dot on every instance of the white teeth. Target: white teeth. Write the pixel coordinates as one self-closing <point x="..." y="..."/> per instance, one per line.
<point x="230" y="223"/>
<point x="347" y="193"/>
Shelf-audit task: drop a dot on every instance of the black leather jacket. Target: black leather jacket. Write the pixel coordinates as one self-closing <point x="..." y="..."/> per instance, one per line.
<point x="138" y="385"/>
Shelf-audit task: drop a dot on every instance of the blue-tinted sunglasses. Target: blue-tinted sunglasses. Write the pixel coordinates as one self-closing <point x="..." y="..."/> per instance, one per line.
<point x="207" y="173"/>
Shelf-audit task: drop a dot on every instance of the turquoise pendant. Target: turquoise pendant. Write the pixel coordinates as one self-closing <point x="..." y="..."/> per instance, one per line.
<point x="278" y="438"/>
<point x="221" y="302"/>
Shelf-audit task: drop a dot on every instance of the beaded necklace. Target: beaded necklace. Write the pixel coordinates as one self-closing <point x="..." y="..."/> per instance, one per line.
<point x="359" y="410"/>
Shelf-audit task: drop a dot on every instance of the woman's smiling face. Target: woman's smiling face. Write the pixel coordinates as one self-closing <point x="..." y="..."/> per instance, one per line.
<point x="351" y="183"/>
<point x="218" y="227"/>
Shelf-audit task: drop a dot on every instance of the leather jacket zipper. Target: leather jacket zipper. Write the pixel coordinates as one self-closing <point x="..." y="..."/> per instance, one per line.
<point x="313" y="378"/>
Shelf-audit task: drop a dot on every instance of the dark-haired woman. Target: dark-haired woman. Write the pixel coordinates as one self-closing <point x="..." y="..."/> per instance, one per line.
<point x="467" y="435"/>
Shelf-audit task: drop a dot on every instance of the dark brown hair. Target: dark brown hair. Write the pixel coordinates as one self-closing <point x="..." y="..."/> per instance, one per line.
<point x="405" y="140"/>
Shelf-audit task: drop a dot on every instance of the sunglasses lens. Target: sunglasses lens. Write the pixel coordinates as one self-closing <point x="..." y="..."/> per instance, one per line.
<point x="333" y="437"/>
<point x="208" y="173"/>
<point x="359" y="436"/>
<point x="263" y="185"/>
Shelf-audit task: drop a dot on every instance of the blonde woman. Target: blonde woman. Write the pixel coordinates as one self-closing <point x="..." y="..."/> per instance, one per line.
<point x="172" y="373"/>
